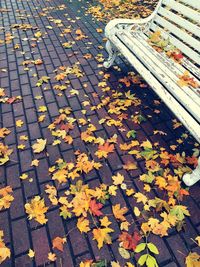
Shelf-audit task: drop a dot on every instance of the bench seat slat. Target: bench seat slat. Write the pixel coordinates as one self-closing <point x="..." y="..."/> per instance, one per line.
<point x="185" y="62"/>
<point x="190" y="123"/>
<point x="182" y="9"/>
<point x="175" y="69"/>
<point x="191" y="41"/>
<point x="160" y="72"/>
<point x="180" y="21"/>
<point x="192" y="3"/>
<point x="178" y="68"/>
<point x="180" y="45"/>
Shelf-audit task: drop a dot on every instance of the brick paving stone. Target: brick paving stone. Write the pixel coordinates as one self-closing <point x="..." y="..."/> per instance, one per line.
<point x="23" y="261"/>
<point x="39" y="237"/>
<point x="20" y="236"/>
<point x="17" y="207"/>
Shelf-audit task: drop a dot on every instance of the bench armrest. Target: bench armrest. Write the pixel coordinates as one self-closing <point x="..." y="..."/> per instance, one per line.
<point x="115" y="24"/>
<point x="124" y="24"/>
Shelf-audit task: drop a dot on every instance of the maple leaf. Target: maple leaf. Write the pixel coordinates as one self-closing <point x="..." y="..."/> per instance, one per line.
<point x="31" y="253"/>
<point x="198" y="240"/>
<point x="60" y="176"/>
<point x="130" y="166"/>
<point x="83" y="225"/>
<point x="4" y="132"/>
<point x="129" y="241"/>
<point x="118" y="179"/>
<point x="193" y="260"/>
<point x="5" y="197"/>
<point x="103" y="150"/>
<point x="39" y="146"/>
<point x="4" y="251"/>
<point x="101" y="235"/>
<point x="95" y="208"/>
<point x="105" y="222"/>
<point x="42" y="109"/>
<point x="36" y="210"/>
<point x="52" y="256"/>
<point x="19" y="123"/>
<point x="119" y="212"/>
<point x="38" y="34"/>
<point x="86" y="263"/>
<point x="35" y="162"/>
<point x="180" y="212"/>
<point x="52" y="192"/>
<point x="141" y="198"/>
<point x="58" y="243"/>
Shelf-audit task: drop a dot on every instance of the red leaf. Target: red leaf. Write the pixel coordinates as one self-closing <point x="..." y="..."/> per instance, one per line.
<point x="95" y="208"/>
<point x="130" y="241"/>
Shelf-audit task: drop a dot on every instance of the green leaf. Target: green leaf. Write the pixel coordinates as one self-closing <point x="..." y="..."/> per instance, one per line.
<point x="151" y="261"/>
<point x="131" y="134"/>
<point x="101" y="263"/>
<point x="140" y="247"/>
<point x="149" y="153"/>
<point x="142" y="259"/>
<point x="179" y="211"/>
<point x="152" y="248"/>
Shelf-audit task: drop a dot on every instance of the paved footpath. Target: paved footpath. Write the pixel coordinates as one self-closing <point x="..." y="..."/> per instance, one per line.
<point x="21" y="234"/>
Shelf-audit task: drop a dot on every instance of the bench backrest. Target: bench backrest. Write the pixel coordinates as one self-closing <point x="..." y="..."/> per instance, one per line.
<point x="180" y="22"/>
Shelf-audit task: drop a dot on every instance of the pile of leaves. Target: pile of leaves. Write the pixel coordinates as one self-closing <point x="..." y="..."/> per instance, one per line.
<point x="105" y="10"/>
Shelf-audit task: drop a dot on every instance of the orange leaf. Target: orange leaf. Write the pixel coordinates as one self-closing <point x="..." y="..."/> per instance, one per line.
<point x="58" y="243"/>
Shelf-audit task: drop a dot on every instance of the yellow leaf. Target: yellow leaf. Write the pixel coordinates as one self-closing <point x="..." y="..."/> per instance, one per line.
<point x="41" y="118"/>
<point x="36" y="210"/>
<point x="192" y="260"/>
<point x="42" y="109"/>
<point x="4" y="132"/>
<point x="83" y="225"/>
<point x="105" y="222"/>
<point x="4" y="251"/>
<point x="112" y="190"/>
<point x="124" y="226"/>
<point x="21" y="147"/>
<point x="115" y="264"/>
<point x="38" y="34"/>
<point x="60" y="176"/>
<point x="56" y="142"/>
<point x="130" y="192"/>
<point x="119" y="212"/>
<point x="39" y="146"/>
<point x="31" y="253"/>
<point x="141" y="198"/>
<point x="35" y="162"/>
<point x="19" y="123"/>
<point x="24" y="176"/>
<point x="146" y="144"/>
<point x="118" y="179"/>
<point x="52" y="256"/>
<point x="198" y="240"/>
<point x="23" y="138"/>
<point x="5" y="197"/>
<point x="101" y="235"/>
<point x="136" y="211"/>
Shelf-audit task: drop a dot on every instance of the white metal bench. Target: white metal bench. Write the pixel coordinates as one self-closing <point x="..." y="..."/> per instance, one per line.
<point x="178" y="21"/>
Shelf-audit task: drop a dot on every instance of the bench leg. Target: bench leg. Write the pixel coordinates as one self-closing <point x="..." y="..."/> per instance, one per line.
<point x="192" y="178"/>
<point x="112" y="55"/>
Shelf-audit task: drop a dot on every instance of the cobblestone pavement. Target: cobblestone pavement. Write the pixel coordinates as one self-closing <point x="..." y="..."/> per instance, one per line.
<point x="20" y="234"/>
